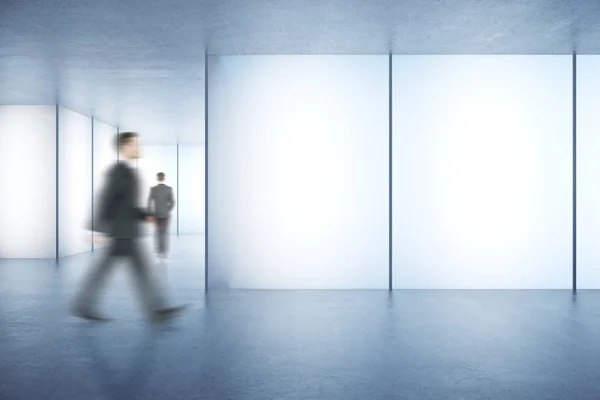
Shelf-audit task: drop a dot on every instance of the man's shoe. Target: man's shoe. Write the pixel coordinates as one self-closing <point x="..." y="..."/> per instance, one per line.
<point x="168" y="313"/>
<point x="88" y="315"/>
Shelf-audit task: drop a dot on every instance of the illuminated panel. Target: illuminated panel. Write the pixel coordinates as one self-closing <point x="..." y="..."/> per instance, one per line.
<point x="482" y="172"/>
<point x="298" y="172"/>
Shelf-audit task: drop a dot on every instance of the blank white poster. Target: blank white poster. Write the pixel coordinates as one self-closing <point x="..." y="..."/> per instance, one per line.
<point x="28" y="176"/>
<point x="74" y="181"/>
<point x="482" y="172"/>
<point x="298" y="172"/>
<point x="191" y="190"/>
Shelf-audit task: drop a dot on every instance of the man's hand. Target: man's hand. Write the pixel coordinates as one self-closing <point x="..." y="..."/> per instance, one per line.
<point x="150" y="219"/>
<point x="95" y="238"/>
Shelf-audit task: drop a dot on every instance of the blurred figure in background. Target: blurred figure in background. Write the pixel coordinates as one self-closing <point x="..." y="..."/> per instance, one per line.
<point x="160" y="204"/>
<point x="119" y="216"/>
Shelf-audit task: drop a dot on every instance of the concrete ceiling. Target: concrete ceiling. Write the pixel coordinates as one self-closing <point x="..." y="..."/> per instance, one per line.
<point x="139" y="64"/>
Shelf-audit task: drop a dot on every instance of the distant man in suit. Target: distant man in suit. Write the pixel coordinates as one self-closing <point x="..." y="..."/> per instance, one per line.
<point x="160" y="204"/>
<point x="118" y="216"/>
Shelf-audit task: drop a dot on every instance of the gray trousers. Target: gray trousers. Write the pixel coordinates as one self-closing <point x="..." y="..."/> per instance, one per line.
<point x="130" y="250"/>
<point x="162" y="235"/>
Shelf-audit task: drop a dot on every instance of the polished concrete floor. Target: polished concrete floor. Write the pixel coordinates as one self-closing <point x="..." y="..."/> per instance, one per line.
<point x="281" y="345"/>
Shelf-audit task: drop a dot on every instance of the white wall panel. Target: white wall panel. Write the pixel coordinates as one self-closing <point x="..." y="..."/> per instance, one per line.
<point x="28" y="176"/>
<point x="588" y="172"/>
<point x="482" y="172"/>
<point x="191" y="190"/>
<point x="298" y="171"/>
<point x="74" y="181"/>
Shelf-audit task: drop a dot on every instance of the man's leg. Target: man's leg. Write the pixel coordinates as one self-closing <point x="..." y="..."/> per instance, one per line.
<point x="157" y="230"/>
<point x="153" y="299"/>
<point x="143" y="277"/>
<point x="164" y="235"/>
<point x="84" y="303"/>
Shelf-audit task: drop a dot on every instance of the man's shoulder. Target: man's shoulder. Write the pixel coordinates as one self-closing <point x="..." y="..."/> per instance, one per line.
<point x="119" y="165"/>
<point x="115" y="167"/>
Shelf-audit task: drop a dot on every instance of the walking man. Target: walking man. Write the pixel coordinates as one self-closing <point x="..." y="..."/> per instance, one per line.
<point x="118" y="217"/>
<point x="160" y="204"/>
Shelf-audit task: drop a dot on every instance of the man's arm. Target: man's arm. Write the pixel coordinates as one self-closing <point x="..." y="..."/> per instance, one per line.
<point x="151" y="200"/>
<point x="109" y="194"/>
<point x="144" y="214"/>
<point x="147" y="213"/>
<point x="105" y="202"/>
<point x="171" y="199"/>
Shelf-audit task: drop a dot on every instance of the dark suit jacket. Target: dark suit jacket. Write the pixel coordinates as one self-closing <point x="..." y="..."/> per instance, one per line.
<point x="117" y="213"/>
<point x="161" y="200"/>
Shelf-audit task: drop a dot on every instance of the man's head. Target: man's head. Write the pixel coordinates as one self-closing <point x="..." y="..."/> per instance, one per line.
<point x="160" y="176"/>
<point x="127" y="145"/>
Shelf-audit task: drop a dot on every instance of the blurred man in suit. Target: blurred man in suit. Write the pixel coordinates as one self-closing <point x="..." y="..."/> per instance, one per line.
<point x="160" y="204"/>
<point x="118" y="216"/>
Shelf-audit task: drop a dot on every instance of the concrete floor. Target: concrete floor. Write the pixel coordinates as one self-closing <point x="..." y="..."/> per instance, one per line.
<point x="281" y="345"/>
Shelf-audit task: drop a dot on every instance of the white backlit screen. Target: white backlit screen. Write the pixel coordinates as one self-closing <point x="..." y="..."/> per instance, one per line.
<point x="298" y="172"/>
<point x="74" y="181"/>
<point x="191" y="190"/>
<point x="28" y="176"/>
<point x="482" y="153"/>
<point x="588" y="172"/>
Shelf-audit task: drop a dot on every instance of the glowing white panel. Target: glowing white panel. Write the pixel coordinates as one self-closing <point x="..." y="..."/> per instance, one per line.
<point x="74" y="181"/>
<point x="155" y="159"/>
<point x="588" y="172"/>
<point x="298" y="172"/>
<point x="482" y="172"/>
<point x="191" y="190"/>
<point x="28" y="176"/>
<point x="105" y="155"/>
